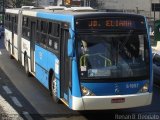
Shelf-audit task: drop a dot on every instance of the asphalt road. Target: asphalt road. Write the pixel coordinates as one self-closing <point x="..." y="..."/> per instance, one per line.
<point x="27" y="96"/>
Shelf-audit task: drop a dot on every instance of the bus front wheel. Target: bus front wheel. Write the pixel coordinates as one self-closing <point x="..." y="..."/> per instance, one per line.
<point x="54" y="90"/>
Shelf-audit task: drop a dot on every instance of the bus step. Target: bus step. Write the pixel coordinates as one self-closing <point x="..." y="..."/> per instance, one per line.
<point x="32" y="73"/>
<point x="64" y="101"/>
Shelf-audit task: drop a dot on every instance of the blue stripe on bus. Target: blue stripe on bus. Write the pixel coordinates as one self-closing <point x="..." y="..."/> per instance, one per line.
<point x="104" y="89"/>
<point x="58" y="17"/>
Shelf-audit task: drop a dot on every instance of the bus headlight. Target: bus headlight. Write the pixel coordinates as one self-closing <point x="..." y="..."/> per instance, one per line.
<point x="86" y="91"/>
<point x="144" y="88"/>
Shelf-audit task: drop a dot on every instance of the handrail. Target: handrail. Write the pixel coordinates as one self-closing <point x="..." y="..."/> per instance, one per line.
<point x="108" y="62"/>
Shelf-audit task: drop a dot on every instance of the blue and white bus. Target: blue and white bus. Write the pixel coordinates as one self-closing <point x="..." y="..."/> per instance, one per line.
<point x="89" y="60"/>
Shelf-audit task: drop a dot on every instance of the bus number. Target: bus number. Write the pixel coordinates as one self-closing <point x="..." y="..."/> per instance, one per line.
<point x="132" y="86"/>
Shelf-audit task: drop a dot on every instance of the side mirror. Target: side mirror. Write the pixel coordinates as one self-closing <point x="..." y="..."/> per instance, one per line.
<point x="70" y="47"/>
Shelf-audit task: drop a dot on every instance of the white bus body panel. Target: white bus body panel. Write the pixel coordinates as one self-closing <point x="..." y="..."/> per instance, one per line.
<point x="15" y="47"/>
<point x="25" y="48"/>
<point x="14" y="11"/>
<point x="29" y="13"/>
<point x="26" y="43"/>
<point x="104" y="102"/>
<point x="7" y="38"/>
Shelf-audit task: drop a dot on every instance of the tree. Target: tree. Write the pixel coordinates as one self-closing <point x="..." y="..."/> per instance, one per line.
<point x="18" y="3"/>
<point x="29" y="2"/>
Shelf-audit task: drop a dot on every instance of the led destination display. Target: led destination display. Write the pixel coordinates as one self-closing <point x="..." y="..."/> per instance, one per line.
<point x="109" y="23"/>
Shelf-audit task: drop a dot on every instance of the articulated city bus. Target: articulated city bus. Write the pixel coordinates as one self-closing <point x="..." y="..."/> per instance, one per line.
<point x="89" y="60"/>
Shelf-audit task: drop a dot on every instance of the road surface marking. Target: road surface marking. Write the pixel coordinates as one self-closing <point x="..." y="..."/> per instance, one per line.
<point x="8" y="112"/>
<point x="27" y="115"/>
<point x="7" y="90"/>
<point x="16" y="102"/>
<point x="0" y="53"/>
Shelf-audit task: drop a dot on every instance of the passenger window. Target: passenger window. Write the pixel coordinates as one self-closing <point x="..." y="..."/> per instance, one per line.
<point x="50" y="28"/>
<point x="25" y="21"/>
<point x="43" y="26"/>
<point x="38" y="25"/>
<point x="9" y="18"/>
<point x="6" y="17"/>
<point x="54" y="29"/>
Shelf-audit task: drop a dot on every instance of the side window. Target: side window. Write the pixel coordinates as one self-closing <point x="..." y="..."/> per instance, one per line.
<point x="16" y="19"/>
<point x="44" y="26"/>
<point x="25" y="21"/>
<point x="15" y="23"/>
<point x="38" y="31"/>
<point x="56" y="29"/>
<point x="48" y="34"/>
<point x="54" y="36"/>
<point x="26" y="27"/>
<point x="9" y="18"/>
<point x="9" y="22"/>
<point x="50" y="28"/>
<point x="6" y="21"/>
<point x="42" y="31"/>
<point x="38" y="25"/>
<point x="53" y="43"/>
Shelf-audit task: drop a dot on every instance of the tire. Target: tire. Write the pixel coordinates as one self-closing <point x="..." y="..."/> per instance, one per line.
<point x="54" y="90"/>
<point x="26" y="67"/>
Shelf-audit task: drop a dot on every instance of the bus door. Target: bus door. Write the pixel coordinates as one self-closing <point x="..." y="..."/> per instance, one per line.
<point x="32" y="43"/>
<point x="65" y="66"/>
<point x="12" y="30"/>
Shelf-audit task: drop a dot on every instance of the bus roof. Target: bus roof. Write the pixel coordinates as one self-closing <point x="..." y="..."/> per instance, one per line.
<point x="68" y="11"/>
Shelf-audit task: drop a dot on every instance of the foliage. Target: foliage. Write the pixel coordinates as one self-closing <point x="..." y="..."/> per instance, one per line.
<point x="18" y="3"/>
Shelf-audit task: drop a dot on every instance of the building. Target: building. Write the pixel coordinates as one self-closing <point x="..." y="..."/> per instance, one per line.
<point x="46" y="2"/>
<point x="137" y="6"/>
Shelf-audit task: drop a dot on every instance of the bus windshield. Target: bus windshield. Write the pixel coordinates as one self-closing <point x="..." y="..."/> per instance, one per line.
<point x="122" y="55"/>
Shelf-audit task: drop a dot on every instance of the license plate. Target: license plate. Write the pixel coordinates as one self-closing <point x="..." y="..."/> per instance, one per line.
<point x="118" y="100"/>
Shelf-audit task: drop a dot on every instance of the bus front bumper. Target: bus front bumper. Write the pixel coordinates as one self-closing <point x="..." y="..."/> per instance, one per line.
<point x="106" y="102"/>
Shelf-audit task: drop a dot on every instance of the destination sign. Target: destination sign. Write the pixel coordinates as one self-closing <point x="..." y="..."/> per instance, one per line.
<point x="110" y="23"/>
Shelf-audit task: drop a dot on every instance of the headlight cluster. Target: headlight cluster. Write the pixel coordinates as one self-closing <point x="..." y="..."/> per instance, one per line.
<point x="86" y="91"/>
<point x="144" y="88"/>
